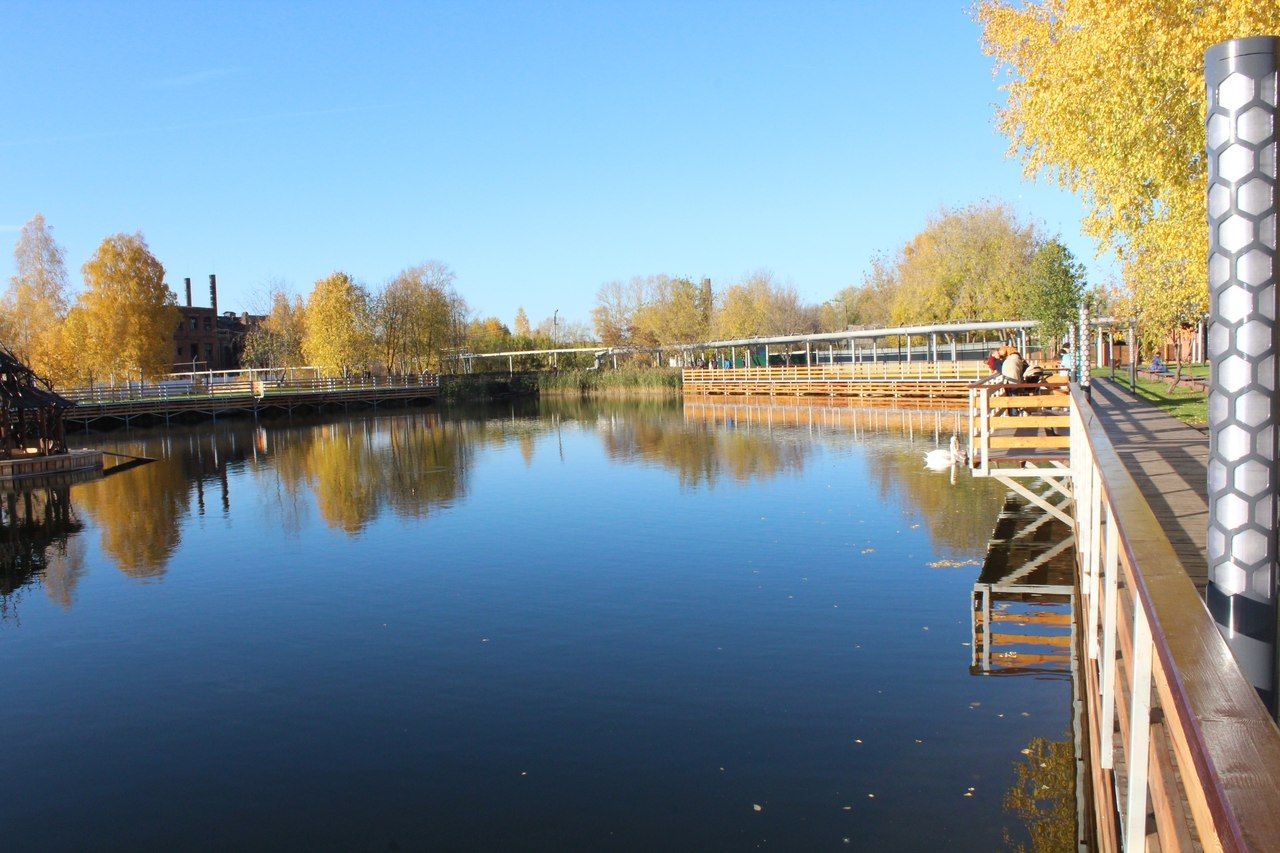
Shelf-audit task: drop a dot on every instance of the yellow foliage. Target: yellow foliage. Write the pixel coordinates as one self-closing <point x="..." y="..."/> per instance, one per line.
<point x="1107" y="97"/>
<point x="338" y="335"/>
<point x="967" y="264"/>
<point x="126" y="315"/>
<point x="36" y="298"/>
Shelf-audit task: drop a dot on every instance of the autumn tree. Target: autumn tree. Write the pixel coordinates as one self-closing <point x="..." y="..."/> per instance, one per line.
<point x="521" y="326"/>
<point x="671" y="312"/>
<point x="488" y="335"/>
<point x="759" y="305"/>
<point x="276" y="341"/>
<point x="868" y="304"/>
<point x="420" y="318"/>
<point x="966" y="264"/>
<point x="1056" y="283"/>
<point x="36" y="299"/>
<point x="123" y="323"/>
<point x="339" y="327"/>
<point x="617" y="306"/>
<point x="1108" y="100"/>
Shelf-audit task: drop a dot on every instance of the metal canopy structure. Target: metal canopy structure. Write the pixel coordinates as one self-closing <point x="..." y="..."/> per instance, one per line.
<point x="931" y="332"/>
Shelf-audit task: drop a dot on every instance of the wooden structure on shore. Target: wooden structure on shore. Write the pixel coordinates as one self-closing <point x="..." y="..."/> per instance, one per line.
<point x="905" y="382"/>
<point x="31" y="414"/>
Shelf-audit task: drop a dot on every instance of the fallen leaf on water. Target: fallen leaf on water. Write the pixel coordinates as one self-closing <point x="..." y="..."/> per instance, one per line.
<point x="757" y="807"/>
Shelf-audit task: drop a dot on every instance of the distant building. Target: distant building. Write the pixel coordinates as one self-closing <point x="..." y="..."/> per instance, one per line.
<point x="206" y="340"/>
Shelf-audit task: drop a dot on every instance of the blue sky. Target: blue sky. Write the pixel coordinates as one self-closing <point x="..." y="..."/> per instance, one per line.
<point x="538" y="149"/>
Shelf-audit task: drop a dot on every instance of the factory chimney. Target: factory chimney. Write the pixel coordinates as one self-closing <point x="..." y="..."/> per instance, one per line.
<point x="213" y="294"/>
<point x="188" y="283"/>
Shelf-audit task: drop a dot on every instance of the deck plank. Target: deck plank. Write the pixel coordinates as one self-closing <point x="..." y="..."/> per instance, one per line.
<point x="1169" y="461"/>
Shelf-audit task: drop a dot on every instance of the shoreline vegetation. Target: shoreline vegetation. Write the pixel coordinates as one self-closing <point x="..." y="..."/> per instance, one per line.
<point x="629" y="380"/>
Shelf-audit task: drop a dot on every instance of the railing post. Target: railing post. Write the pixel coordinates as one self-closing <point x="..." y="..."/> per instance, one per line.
<point x="1139" y="755"/>
<point x="1244" y="353"/>
<point x="1111" y="570"/>
<point x="984" y="429"/>
<point x="1092" y="555"/>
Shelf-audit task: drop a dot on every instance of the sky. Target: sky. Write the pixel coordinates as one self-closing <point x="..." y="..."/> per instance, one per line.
<point x="539" y="149"/>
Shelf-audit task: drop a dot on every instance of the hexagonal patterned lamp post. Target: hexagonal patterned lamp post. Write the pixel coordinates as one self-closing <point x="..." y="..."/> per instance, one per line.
<point x="1240" y="77"/>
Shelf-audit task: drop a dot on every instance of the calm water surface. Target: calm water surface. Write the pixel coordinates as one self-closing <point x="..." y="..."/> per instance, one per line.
<point x="605" y="625"/>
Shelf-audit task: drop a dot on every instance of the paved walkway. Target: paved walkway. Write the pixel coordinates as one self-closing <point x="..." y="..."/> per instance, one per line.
<point x="1169" y="461"/>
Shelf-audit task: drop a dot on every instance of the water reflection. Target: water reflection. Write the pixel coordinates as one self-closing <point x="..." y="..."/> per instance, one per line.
<point x="513" y="587"/>
<point x="1021" y="609"/>
<point x="37" y="542"/>
<point x="1021" y="604"/>
<point x="348" y="472"/>
<point x="952" y="524"/>
<point x="1042" y="797"/>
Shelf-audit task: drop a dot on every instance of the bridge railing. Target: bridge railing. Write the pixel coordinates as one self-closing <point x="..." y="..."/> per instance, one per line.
<point x="967" y="371"/>
<point x="1170" y="714"/>
<point x="1006" y="421"/>
<point x="195" y="386"/>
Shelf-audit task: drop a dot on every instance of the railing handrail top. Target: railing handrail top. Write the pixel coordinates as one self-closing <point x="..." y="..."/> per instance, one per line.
<point x="1203" y="677"/>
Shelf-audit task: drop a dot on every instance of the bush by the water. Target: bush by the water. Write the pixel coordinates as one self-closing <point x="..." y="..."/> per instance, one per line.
<point x="665" y="379"/>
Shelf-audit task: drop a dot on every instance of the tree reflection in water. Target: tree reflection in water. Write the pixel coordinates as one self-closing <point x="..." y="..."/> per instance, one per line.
<point x="352" y="470"/>
<point x="1043" y="796"/>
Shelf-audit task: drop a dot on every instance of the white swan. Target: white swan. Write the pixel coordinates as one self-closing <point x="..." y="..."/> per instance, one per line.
<point x="940" y="459"/>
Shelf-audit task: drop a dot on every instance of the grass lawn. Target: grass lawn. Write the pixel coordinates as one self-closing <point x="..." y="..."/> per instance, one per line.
<point x="1182" y="403"/>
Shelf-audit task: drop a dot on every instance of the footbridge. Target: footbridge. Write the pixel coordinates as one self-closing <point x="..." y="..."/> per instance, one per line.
<point x="214" y="394"/>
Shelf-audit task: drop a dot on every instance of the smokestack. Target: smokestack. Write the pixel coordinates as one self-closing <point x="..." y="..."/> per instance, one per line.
<point x="213" y="293"/>
<point x="188" y="283"/>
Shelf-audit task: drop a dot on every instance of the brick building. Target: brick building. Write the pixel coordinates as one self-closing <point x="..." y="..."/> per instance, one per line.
<point x="207" y="340"/>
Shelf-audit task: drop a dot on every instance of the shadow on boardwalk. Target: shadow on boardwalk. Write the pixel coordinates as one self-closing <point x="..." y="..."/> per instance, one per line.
<point x="1169" y="461"/>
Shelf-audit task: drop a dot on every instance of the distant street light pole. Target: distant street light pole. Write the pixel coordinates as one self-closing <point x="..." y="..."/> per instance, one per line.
<point x="555" y="323"/>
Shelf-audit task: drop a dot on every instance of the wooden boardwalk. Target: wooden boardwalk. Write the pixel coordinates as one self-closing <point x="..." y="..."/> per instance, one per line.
<point x="1169" y="461"/>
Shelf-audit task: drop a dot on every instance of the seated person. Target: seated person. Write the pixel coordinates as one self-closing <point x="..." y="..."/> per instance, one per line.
<point x="1158" y="365"/>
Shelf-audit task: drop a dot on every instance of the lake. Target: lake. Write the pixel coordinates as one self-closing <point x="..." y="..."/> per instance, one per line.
<point x="566" y="624"/>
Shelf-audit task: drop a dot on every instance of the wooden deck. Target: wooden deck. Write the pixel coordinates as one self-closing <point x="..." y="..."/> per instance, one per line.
<point x="905" y="382"/>
<point x="1169" y="461"/>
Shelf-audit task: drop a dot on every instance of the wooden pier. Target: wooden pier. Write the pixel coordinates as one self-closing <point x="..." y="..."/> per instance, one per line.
<point x="163" y="403"/>
<point x="906" y="382"/>
<point x="1180" y="751"/>
<point x="74" y="461"/>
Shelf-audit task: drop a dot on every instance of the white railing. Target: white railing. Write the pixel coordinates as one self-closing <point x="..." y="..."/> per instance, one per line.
<point x="1178" y="738"/>
<point x="201" y="386"/>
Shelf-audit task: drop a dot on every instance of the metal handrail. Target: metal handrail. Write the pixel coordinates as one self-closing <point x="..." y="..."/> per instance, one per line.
<point x="1225" y="746"/>
<point x="188" y="390"/>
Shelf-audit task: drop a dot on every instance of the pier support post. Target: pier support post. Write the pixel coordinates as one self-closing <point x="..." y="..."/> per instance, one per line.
<point x="1244" y="351"/>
